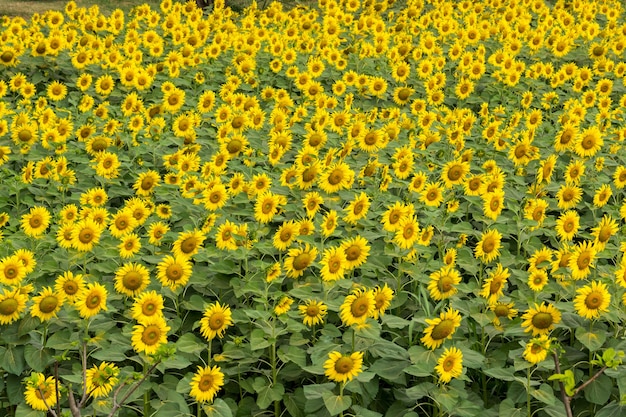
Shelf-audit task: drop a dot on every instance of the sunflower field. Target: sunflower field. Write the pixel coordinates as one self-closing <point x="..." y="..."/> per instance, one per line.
<point x="355" y="208"/>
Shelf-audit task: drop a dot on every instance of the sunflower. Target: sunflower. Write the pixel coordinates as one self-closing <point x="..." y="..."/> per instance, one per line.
<point x="91" y="301"/>
<point x="357" y="307"/>
<point x="357" y="209"/>
<point x="441" y="328"/>
<point x="40" y="392"/>
<point x="329" y="223"/>
<point x="12" y="270"/>
<point x="188" y="244"/>
<point x="567" y="225"/>
<point x="333" y="264"/>
<point x="36" y="221"/>
<point x="619" y="177"/>
<point x="100" y="379"/>
<point x="342" y="368"/>
<point x="581" y="261"/>
<point x="592" y="300"/>
<point x="493" y="286"/>
<point x="450" y="364"/>
<point x="588" y="142"/>
<point x="225" y="236"/>
<point x="408" y="232"/>
<point x="500" y="310"/>
<point x="541" y="319"/>
<point x="488" y="248"/>
<point x="394" y="214"/>
<point x="283" y="306"/>
<point x="146" y="183"/>
<point x="85" y="235"/>
<point x="337" y="176"/>
<point x="285" y="235"/>
<point x="432" y="194"/>
<point x="454" y="173"/>
<point x="443" y="283"/>
<point x="603" y="232"/>
<point x="131" y="279"/>
<point x="537" y="279"/>
<point x="602" y="195"/>
<point x="537" y="349"/>
<point x="47" y="304"/>
<point x="147" y="305"/>
<point x="69" y="284"/>
<point x="206" y="383"/>
<point x="382" y="298"/>
<point x="156" y="232"/>
<point x="174" y="271"/>
<point x="129" y="246"/>
<point x="148" y="336"/>
<point x="312" y="202"/>
<point x="357" y="250"/>
<point x="266" y="207"/>
<point x="298" y="259"/>
<point x="12" y="304"/>
<point x="122" y="223"/>
<point x="493" y="203"/>
<point x="215" y="320"/>
<point x="313" y="312"/>
<point x="215" y="197"/>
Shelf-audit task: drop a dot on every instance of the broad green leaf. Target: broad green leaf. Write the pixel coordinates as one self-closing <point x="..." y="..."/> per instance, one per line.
<point x="613" y="409"/>
<point x="505" y="374"/>
<point x="315" y="391"/>
<point x="37" y="359"/>
<point x="394" y="322"/>
<point x="364" y="412"/>
<point x="257" y="340"/>
<point x="292" y="354"/>
<point x="599" y="391"/>
<point x="190" y="343"/>
<point x="419" y="391"/>
<point x="269" y="394"/>
<point x="335" y="404"/>
<point x="508" y="409"/>
<point x="389" y="369"/>
<point x="591" y="340"/>
<point x="544" y="394"/>
<point x="25" y="411"/>
<point x="12" y="359"/>
<point x="219" y="408"/>
<point x="294" y="403"/>
<point x="61" y="340"/>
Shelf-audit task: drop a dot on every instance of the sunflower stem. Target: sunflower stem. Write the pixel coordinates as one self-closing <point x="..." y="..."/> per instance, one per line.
<point x="208" y="359"/>
<point x="274" y="376"/>
<point x="528" y="409"/>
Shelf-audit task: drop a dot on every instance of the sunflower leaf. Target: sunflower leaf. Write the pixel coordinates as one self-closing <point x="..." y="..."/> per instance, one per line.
<point x="335" y="404"/>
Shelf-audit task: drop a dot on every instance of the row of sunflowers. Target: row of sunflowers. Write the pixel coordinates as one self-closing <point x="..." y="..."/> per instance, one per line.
<point x="368" y="207"/>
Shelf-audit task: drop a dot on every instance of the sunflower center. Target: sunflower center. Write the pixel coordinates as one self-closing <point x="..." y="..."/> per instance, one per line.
<point x="267" y="207"/>
<point x="605" y="234"/>
<point x="495" y="286"/>
<point x="308" y="174"/>
<point x="234" y="146"/>
<point x="495" y="204"/>
<point x="442" y="330"/>
<point x="489" y="245"/>
<point x="344" y="365"/>
<point x="588" y="142"/>
<point x="542" y="320"/>
<point x="86" y="236"/>
<point x="404" y="94"/>
<point x="8" y="306"/>
<point x="520" y="151"/>
<point x="151" y="335"/>
<point x="408" y="232"/>
<point x="301" y="261"/>
<point x="285" y="235"/>
<point x="70" y="288"/>
<point x="48" y="304"/>
<point x="216" y="321"/>
<point x="25" y="135"/>
<point x="7" y="56"/>
<point x="353" y="253"/>
<point x="455" y="173"/>
<point x="147" y="183"/>
<point x="432" y="195"/>
<point x="446" y="283"/>
<point x="11" y="271"/>
<point x="358" y="208"/>
<point x="312" y="310"/>
<point x="583" y="260"/>
<point x="189" y="245"/>
<point x="148" y="309"/>
<point x="206" y="383"/>
<point x="35" y="221"/>
<point x="174" y="272"/>
<point x="360" y="307"/>
<point x="334" y="265"/>
<point x="536" y="348"/>
<point x="448" y="364"/>
<point x="501" y="310"/>
<point x="335" y="177"/>
<point x="537" y="214"/>
<point x="474" y="184"/>
<point x="132" y="280"/>
<point x="315" y="139"/>
<point x="593" y="301"/>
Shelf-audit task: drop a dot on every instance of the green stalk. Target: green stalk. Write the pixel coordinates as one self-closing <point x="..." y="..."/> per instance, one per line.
<point x="528" y="409"/>
<point x="274" y="376"/>
<point x="146" y="396"/>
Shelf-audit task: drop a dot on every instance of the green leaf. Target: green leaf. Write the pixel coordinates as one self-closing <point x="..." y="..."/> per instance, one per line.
<point x="364" y="412"/>
<point x="544" y="394"/>
<point x="25" y="411"/>
<point x="508" y="409"/>
<point x="190" y="343"/>
<point x="61" y="340"/>
<point x="591" y="340"/>
<point x="12" y="359"/>
<point x="419" y="391"/>
<point x="312" y="392"/>
<point x="219" y="408"/>
<point x="389" y="369"/>
<point x="613" y="409"/>
<point x="394" y="322"/>
<point x="292" y="354"/>
<point x="599" y="391"/>
<point x="257" y="340"/>
<point x="268" y="394"/>
<point x="505" y="374"/>
<point x="335" y="404"/>
<point x="294" y="403"/>
<point x="37" y="359"/>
